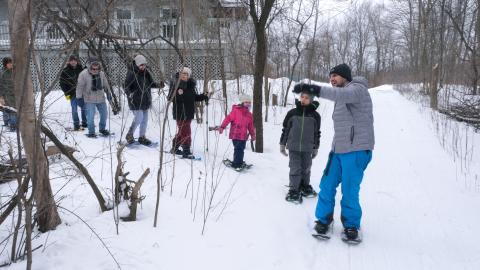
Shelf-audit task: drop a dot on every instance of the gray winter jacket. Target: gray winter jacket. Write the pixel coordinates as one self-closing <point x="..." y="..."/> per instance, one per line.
<point x="301" y="128"/>
<point x="352" y="116"/>
<point x="84" y="87"/>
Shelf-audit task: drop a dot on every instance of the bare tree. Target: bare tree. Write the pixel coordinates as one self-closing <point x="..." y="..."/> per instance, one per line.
<point x="259" y="11"/>
<point x="29" y="122"/>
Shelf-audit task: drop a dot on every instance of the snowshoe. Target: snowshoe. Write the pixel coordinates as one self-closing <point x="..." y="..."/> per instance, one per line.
<point x="91" y="135"/>
<point x="308" y="191"/>
<point x="351" y="236"/>
<point x="244" y="166"/>
<point x="176" y="152"/>
<point x="191" y="157"/>
<point x="74" y="129"/>
<point x="215" y="128"/>
<point x="323" y="231"/>
<point x="294" y="196"/>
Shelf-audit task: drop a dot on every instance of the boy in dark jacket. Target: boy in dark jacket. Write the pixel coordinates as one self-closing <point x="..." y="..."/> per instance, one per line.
<point x="138" y="88"/>
<point x="301" y="136"/>
<point x="68" y="83"/>
<point x="183" y="95"/>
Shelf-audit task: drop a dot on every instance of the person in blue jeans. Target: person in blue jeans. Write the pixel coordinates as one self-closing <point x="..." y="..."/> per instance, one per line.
<point x="68" y="83"/>
<point x="351" y="152"/>
<point x="92" y="86"/>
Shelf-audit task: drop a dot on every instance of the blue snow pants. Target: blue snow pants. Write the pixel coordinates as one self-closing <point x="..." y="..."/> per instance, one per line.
<point x="346" y="169"/>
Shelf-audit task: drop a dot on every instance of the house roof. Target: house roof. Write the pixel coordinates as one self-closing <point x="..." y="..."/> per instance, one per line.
<point x="232" y="3"/>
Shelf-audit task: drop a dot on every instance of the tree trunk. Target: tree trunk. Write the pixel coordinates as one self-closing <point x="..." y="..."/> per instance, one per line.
<point x="260" y="60"/>
<point x="19" y="19"/>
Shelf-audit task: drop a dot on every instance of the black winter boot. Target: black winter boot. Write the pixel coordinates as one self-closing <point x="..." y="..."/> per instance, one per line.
<point x="105" y="132"/>
<point x="321" y="228"/>
<point x="294" y="196"/>
<point x="175" y="150"/>
<point x="130" y="138"/>
<point x="186" y="153"/>
<point x="307" y="191"/>
<point x="144" y="141"/>
<point x="351" y="234"/>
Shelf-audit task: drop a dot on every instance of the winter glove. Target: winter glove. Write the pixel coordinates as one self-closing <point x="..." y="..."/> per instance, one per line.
<point x="314" y="153"/>
<point x="283" y="150"/>
<point x="220" y="130"/>
<point x="115" y="110"/>
<point x="68" y="97"/>
<point x="206" y="98"/>
<point x="298" y="88"/>
<point x="315" y="90"/>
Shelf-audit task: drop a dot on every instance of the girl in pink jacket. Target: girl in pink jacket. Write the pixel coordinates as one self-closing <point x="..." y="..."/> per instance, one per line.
<point x="241" y="121"/>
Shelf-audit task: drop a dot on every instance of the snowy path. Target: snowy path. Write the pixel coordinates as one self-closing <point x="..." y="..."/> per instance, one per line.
<point x="416" y="214"/>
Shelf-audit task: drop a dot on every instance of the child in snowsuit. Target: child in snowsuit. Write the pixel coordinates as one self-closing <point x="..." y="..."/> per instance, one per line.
<point x="241" y="121"/>
<point x="301" y="136"/>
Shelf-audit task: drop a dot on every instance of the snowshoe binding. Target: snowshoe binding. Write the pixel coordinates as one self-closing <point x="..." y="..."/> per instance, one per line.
<point x="322" y="231"/>
<point x="351" y="236"/>
<point x="294" y="196"/>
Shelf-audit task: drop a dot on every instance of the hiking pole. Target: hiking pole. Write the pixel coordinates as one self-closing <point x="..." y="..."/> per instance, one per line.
<point x="206" y="121"/>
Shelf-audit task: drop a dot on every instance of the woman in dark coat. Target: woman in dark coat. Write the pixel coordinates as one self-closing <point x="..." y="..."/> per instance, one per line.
<point x="183" y="95"/>
<point x="138" y="88"/>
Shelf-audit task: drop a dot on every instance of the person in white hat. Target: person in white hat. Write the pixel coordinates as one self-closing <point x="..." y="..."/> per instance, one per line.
<point x="138" y="88"/>
<point x="241" y="120"/>
<point x="183" y="94"/>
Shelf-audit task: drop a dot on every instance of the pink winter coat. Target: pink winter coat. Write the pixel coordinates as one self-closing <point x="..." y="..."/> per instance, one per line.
<point x="242" y="120"/>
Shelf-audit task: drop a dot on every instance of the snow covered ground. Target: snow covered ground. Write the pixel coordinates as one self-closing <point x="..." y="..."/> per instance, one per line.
<point x="417" y="213"/>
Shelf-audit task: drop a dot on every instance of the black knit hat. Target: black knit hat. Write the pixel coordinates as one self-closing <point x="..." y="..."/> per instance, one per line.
<point x="73" y="57"/>
<point x="5" y="61"/>
<point x="342" y="70"/>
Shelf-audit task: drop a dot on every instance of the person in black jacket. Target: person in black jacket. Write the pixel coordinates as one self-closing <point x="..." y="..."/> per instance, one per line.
<point x="138" y="88"/>
<point x="68" y="83"/>
<point x="183" y="95"/>
<point x="301" y="135"/>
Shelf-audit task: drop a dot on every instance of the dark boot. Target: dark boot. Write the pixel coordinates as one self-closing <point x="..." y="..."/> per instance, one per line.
<point x="186" y="151"/>
<point x="130" y="138"/>
<point x="351" y="234"/>
<point x="307" y="191"/>
<point x="294" y="196"/>
<point x="105" y="132"/>
<point x="321" y="228"/>
<point x="144" y="141"/>
<point x="175" y="149"/>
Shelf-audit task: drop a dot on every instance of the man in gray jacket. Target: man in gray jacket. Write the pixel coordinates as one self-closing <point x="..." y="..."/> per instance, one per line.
<point x="352" y="147"/>
<point x="92" y="86"/>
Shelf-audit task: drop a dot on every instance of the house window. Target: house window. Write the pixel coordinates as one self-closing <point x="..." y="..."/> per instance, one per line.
<point x="168" y="30"/>
<point x="124" y="14"/>
<point x="169" y="13"/>
<point x="124" y="19"/>
<point x="53" y="32"/>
